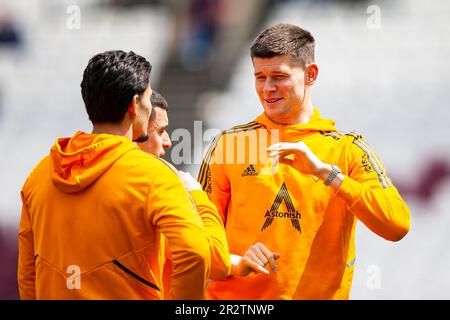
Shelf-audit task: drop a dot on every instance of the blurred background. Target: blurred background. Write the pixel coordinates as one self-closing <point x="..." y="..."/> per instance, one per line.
<point x="384" y="71"/>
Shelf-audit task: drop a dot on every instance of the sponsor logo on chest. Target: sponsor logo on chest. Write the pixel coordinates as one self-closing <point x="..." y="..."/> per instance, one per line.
<point x="275" y="213"/>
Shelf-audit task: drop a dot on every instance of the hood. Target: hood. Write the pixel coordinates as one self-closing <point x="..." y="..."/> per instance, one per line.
<point x="295" y="132"/>
<point x="80" y="160"/>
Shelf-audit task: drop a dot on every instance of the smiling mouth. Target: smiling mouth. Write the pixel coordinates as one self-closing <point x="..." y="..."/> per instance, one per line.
<point x="271" y="101"/>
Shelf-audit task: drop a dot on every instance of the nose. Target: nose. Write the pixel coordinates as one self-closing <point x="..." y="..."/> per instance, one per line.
<point x="166" y="141"/>
<point x="268" y="85"/>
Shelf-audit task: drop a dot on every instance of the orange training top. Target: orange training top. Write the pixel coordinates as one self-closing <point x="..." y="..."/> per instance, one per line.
<point x="92" y="218"/>
<point x="294" y="214"/>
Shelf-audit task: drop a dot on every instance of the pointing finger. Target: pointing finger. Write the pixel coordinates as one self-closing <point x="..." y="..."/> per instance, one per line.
<point x="256" y="267"/>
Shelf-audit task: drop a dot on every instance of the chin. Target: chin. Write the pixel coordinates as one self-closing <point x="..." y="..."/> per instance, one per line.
<point x="273" y="113"/>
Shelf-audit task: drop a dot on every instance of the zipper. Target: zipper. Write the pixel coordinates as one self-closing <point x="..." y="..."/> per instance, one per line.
<point x="134" y="275"/>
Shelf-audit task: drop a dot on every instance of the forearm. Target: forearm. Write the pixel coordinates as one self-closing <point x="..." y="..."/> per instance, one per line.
<point x="325" y="171"/>
<point x="180" y="224"/>
<point x="371" y="197"/>
<point x="190" y="261"/>
<point x="220" y="257"/>
<point x="26" y="273"/>
<point x="382" y="210"/>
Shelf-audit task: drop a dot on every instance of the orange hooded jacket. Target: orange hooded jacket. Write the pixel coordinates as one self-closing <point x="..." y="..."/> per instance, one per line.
<point x="92" y="218"/>
<point x="294" y="214"/>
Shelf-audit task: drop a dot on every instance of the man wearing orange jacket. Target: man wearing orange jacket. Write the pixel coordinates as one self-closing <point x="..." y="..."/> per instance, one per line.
<point x="158" y="141"/>
<point x="94" y="209"/>
<point x="298" y="200"/>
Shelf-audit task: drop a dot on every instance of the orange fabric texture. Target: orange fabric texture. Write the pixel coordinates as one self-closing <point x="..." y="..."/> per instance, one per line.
<point x="310" y="225"/>
<point x="100" y="204"/>
<point x="212" y="222"/>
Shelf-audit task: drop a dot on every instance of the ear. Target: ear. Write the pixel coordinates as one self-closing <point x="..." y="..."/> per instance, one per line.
<point x="311" y="73"/>
<point x="133" y="106"/>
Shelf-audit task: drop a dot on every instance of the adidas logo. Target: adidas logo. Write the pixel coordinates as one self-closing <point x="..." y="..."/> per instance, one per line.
<point x="250" y="171"/>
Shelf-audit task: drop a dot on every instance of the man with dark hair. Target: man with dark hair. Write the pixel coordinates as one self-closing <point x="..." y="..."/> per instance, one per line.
<point x="110" y="81"/>
<point x="95" y="209"/>
<point x="158" y="101"/>
<point x="295" y="208"/>
<point x="158" y="138"/>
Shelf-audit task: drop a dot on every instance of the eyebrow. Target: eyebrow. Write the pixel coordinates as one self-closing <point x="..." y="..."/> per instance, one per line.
<point x="274" y="72"/>
<point x="163" y="127"/>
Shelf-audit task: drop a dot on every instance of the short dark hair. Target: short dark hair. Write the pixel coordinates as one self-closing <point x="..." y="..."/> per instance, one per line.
<point x="284" y="39"/>
<point x="110" y="81"/>
<point x="158" y="101"/>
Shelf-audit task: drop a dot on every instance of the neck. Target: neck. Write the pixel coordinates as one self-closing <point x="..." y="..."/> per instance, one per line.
<point x="115" y="129"/>
<point x="305" y="113"/>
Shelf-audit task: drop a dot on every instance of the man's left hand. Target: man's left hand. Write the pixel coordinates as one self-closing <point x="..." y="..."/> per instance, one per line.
<point x="300" y="157"/>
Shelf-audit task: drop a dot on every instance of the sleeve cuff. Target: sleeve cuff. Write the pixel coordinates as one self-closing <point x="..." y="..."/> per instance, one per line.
<point x="350" y="191"/>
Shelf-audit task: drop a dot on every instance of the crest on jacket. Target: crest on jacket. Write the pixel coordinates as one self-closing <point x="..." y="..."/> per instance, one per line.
<point x="291" y="213"/>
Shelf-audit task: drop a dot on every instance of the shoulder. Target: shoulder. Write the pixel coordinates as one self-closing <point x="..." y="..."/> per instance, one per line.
<point x="160" y="178"/>
<point x="354" y="142"/>
<point x="37" y="173"/>
<point x="242" y="128"/>
<point x="252" y="125"/>
<point x="147" y="164"/>
<point x="233" y="131"/>
<point x="346" y="137"/>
